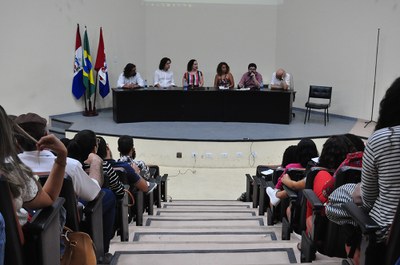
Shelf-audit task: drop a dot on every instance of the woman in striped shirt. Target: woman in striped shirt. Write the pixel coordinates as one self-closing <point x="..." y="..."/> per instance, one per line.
<point x="193" y="77"/>
<point x="380" y="179"/>
<point x="380" y="176"/>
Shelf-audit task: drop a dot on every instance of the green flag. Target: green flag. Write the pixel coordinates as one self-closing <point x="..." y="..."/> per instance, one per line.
<point x="88" y="79"/>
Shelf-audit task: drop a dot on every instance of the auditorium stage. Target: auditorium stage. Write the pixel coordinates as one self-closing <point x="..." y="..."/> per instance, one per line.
<point x="215" y="131"/>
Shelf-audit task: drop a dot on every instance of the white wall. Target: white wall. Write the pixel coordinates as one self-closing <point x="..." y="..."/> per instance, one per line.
<point x="334" y="43"/>
<point x="319" y="41"/>
<point x="236" y="34"/>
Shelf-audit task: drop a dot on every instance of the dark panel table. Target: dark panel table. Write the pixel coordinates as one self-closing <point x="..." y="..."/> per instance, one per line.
<point x="206" y="104"/>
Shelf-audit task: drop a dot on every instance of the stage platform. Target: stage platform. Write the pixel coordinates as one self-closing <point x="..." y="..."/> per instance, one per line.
<point x="213" y="131"/>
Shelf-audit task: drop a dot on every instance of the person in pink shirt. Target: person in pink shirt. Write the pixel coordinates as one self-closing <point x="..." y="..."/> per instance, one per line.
<point x="251" y="79"/>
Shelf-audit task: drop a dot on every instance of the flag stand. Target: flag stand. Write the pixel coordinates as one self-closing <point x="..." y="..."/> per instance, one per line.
<point x="90" y="112"/>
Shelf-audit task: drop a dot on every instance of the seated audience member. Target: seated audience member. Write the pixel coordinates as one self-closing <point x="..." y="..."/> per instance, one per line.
<point x="304" y="152"/>
<point x="163" y="76"/>
<point x="353" y="159"/>
<point x="127" y="153"/>
<point x="130" y="78"/>
<point x="357" y="141"/>
<point x="251" y="79"/>
<point x="26" y="191"/>
<point x="83" y="147"/>
<point x="134" y="178"/>
<point x="86" y="186"/>
<point x="193" y="77"/>
<point x="334" y="152"/>
<point x="380" y="177"/>
<point x="223" y="78"/>
<point x="281" y="80"/>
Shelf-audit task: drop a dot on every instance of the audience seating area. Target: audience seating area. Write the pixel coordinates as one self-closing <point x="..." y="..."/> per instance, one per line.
<point x="38" y="241"/>
<point x="326" y="237"/>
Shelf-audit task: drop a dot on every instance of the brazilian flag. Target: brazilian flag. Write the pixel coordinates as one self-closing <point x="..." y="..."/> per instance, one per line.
<point x="88" y="80"/>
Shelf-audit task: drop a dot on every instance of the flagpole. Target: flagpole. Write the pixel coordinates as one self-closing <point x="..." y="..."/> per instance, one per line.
<point x="94" y="100"/>
<point x="86" y="112"/>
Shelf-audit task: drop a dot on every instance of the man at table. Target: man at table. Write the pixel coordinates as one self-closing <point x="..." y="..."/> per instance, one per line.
<point x="251" y="79"/>
<point x="130" y="78"/>
<point x="281" y="80"/>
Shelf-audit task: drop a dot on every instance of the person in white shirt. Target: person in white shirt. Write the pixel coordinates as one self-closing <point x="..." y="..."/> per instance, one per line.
<point x="86" y="187"/>
<point x="130" y="78"/>
<point x="163" y="77"/>
<point x="281" y="80"/>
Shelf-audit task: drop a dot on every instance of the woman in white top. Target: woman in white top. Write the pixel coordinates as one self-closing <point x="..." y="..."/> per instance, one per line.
<point x="130" y="78"/>
<point x="25" y="189"/>
<point x="163" y="77"/>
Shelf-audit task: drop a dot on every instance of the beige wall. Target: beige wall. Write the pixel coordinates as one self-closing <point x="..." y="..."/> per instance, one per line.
<point x="319" y="41"/>
<point x="334" y="43"/>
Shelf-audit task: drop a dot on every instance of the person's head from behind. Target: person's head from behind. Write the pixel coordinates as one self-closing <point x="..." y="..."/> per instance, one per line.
<point x="306" y="150"/>
<point x="126" y="147"/>
<point x="389" y="108"/>
<point x="101" y="147"/>
<point x="34" y="125"/>
<point x="65" y="141"/>
<point x="252" y="68"/>
<point x="130" y="70"/>
<point x="83" y="143"/>
<point x="165" y="64"/>
<point x="222" y="68"/>
<point x="289" y="156"/>
<point x="280" y="74"/>
<point x="356" y="141"/>
<point x="334" y="151"/>
<point x="192" y="65"/>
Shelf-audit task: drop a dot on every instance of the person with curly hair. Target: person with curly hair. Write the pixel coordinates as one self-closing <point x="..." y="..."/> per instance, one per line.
<point x="129" y="78"/>
<point x="223" y="78"/>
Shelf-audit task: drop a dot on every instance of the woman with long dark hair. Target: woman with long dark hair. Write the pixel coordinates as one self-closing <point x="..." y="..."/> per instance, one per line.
<point x="27" y="192"/>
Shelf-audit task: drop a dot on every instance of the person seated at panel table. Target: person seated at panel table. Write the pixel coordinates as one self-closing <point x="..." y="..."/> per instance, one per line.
<point x="163" y="77"/>
<point x="251" y="79"/>
<point x="223" y="78"/>
<point x="281" y="80"/>
<point x="193" y="77"/>
<point x="130" y="78"/>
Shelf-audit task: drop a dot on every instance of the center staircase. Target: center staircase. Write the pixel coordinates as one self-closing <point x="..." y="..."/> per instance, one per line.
<point x="207" y="232"/>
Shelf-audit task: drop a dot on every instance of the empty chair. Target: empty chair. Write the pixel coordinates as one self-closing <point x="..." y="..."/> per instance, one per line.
<point x="319" y="97"/>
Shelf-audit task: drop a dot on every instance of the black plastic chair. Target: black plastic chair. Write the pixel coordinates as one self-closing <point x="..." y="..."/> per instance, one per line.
<point x="41" y="233"/>
<point x="274" y="214"/>
<point x="292" y="223"/>
<point x="326" y="237"/>
<point x="372" y="252"/>
<point x="319" y="97"/>
<point x="92" y="214"/>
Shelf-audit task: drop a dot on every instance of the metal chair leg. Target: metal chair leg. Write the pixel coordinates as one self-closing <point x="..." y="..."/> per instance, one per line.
<point x="305" y="116"/>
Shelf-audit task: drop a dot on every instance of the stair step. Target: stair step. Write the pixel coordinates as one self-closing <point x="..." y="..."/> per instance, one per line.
<point x="195" y="212"/>
<point x="157" y="221"/>
<point x="208" y="232"/>
<point x="57" y="123"/>
<point x="211" y="253"/>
